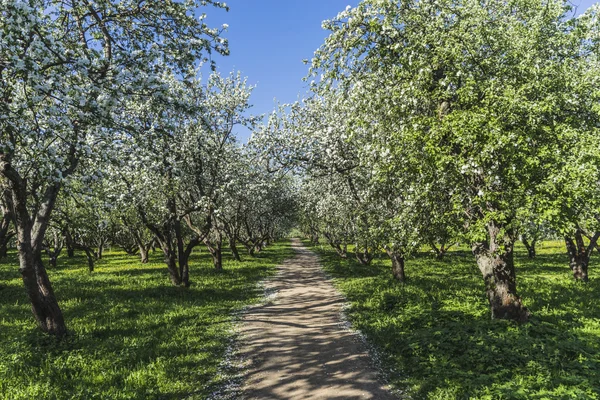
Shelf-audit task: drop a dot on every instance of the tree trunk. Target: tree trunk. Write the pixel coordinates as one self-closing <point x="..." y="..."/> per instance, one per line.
<point x="579" y="254"/>
<point x="5" y="234"/>
<point x="397" y="265"/>
<point x="171" y="261"/>
<point x="143" y="254"/>
<point x="530" y="247"/>
<point x="184" y="261"/>
<point x="3" y="249"/>
<point x="70" y="244"/>
<point x="40" y="293"/>
<point x="496" y="263"/>
<point x="234" y="250"/>
<point x="30" y="234"/>
<point x="440" y="252"/>
<point x="216" y="253"/>
<point x="101" y="248"/>
<point x="364" y="257"/>
<point x="90" y="257"/>
<point x="336" y="245"/>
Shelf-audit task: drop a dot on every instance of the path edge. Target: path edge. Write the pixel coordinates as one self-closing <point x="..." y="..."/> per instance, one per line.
<point x="234" y="368"/>
<point x="374" y="354"/>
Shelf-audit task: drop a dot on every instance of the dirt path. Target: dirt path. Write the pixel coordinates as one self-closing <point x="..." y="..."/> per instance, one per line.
<point x="296" y="346"/>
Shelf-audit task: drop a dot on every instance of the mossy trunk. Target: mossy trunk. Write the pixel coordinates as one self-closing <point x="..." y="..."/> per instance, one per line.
<point x="495" y="260"/>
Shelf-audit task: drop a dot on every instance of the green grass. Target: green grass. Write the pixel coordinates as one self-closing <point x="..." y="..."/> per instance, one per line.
<point x="436" y="335"/>
<point x="133" y="335"/>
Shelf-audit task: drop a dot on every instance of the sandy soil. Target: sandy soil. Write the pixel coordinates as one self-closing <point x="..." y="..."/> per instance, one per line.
<point x="296" y="345"/>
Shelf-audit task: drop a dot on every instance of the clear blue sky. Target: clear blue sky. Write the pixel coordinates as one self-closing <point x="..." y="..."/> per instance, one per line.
<point x="269" y="39"/>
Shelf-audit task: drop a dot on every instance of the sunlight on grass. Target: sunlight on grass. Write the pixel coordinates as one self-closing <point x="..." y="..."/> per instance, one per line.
<point x="435" y="332"/>
<point x="133" y="336"/>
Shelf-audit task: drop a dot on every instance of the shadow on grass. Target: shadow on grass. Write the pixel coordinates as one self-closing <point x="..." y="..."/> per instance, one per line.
<point x="436" y="334"/>
<point x="133" y="335"/>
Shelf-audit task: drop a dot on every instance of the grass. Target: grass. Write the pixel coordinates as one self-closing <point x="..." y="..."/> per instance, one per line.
<point x="436" y="336"/>
<point x="133" y="335"/>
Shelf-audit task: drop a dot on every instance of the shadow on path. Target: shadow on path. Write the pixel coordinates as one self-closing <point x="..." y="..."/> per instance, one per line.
<point x="296" y="346"/>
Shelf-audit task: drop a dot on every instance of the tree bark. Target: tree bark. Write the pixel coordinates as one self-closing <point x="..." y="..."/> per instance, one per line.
<point x="100" y="251"/>
<point x="579" y="254"/>
<point x="143" y="254"/>
<point x="215" y="250"/>
<point x="364" y="257"/>
<point x="70" y="244"/>
<point x="171" y="261"/>
<point x="30" y="235"/>
<point x="90" y="257"/>
<point x="234" y="250"/>
<point x="530" y="247"/>
<point x="336" y="245"/>
<point x="440" y="252"/>
<point x="397" y="264"/>
<point x="5" y="234"/>
<point x="496" y="263"/>
<point x="40" y="293"/>
<point x="55" y="252"/>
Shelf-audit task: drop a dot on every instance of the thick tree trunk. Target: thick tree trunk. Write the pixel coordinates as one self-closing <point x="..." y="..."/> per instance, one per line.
<point x="40" y="293"/>
<point x="579" y="254"/>
<point x="397" y="265"/>
<point x="215" y="250"/>
<point x="530" y="247"/>
<point x="184" y="261"/>
<point x="143" y="254"/>
<point x="171" y="261"/>
<point x="30" y="234"/>
<point x="496" y="263"/>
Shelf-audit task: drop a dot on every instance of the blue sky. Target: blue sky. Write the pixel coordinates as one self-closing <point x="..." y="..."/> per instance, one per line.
<point x="269" y="39"/>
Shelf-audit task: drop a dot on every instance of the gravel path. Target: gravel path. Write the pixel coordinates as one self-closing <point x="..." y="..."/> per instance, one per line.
<point x="296" y="345"/>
